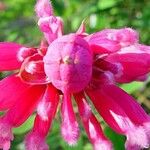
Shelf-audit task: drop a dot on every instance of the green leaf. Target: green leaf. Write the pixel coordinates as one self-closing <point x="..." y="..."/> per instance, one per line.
<point x="117" y="140"/>
<point x="25" y="127"/>
<point x="132" y="87"/>
<point x="104" y="4"/>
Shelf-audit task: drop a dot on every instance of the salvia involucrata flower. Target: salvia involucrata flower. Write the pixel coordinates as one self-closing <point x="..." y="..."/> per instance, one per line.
<point x="75" y="65"/>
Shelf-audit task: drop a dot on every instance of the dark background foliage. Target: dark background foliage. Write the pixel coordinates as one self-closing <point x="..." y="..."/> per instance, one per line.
<point x="18" y="23"/>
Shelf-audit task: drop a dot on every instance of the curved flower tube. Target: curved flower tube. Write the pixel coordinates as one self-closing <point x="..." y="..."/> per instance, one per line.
<point x="75" y="65"/>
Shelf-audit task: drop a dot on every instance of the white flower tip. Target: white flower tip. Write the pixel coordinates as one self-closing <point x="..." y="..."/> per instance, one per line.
<point x="5" y="136"/>
<point x="70" y="133"/>
<point x="137" y="139"/>
<point x="43" y="8"/>
<point x="34" y="141"/>
<point x="43" y="109"/>
<point x="103" y="145"/>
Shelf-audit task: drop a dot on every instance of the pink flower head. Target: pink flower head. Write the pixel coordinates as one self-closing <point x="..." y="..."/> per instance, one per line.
<point x="69" y="64"/>
<point x="75" y="65"/>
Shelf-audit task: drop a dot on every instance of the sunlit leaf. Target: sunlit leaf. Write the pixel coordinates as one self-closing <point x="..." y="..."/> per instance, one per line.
<point x="132" y="87"/>
<point x="25" y="127"/>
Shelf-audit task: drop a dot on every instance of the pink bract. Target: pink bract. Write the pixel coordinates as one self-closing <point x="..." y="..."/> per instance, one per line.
<point x="79" y="66"/>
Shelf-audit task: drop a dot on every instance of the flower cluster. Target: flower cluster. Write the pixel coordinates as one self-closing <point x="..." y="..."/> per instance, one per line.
<point x="75" y="65"/>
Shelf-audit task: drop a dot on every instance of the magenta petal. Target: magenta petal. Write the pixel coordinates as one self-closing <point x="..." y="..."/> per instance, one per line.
<point x="91" y="125"/>
<point x="25" y="105"/>
<point x="9" y="56"/>
<point x="69" y="128"/>
<point x="34" y="141"/>
<point x="112" y="40"/>
<point x="109" y="110"/>
<point x="46" y="110"/>
<point x="135" y="61"/>
<point x="32" y="70"/>
<point x="118" y="119"/>
<point x="52" y="27"/>
<point x="104" y="46"/>
<point x="128" y="103"/>
<point x="9" y="85"/>
<point x="5" y="134"/>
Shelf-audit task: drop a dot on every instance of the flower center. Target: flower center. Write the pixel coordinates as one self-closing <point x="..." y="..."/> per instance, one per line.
<point x="67" y="60"/>
<point x="68" y="63"/>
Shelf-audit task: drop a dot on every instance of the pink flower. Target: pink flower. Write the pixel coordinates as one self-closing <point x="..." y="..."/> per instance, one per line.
<point x="75" y="65"/>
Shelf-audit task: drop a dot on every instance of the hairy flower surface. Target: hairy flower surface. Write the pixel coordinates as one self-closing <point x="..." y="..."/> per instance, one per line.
<point x="79" y="66"/>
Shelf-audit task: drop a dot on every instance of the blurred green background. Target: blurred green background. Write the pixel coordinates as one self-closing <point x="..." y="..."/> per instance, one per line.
<point x="18" y="23"/>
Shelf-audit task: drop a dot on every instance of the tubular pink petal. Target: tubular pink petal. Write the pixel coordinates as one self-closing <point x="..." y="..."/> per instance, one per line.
<point x="128" y="104"/>
<point x="112" y="40"/>
<point x="9" y="56"/>
<point x="46" y="110"/>
<point x="117" y="118"/>
<point x="9" y="85"/>
<point x="125" y="36"/>
<point x="52" y="27"/>
<point x="104" y="104"/>
<point x="69" y="127"/>
<point x="34" y="141"/>
<point x="25" y="105"/>
<point x="91" y="125"/>
<point x="32" y="70"/>
<point x="135" y="58"/>
<point x="43" y="8"/>
<point x="5" y="134"/>
<point x="104" y="46"/>
<point x="136" y="135"/>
